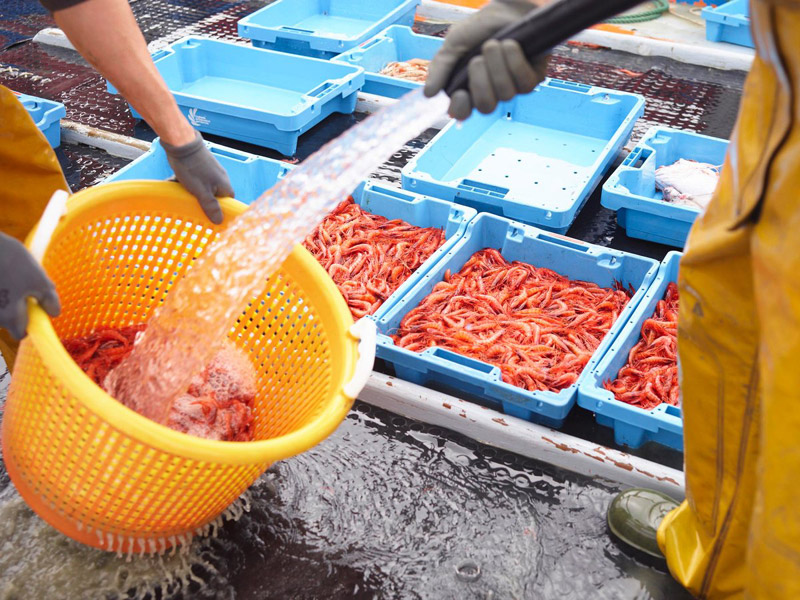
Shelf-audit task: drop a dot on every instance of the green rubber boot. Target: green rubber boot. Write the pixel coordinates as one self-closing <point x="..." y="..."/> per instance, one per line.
<point x="634" y="516"/>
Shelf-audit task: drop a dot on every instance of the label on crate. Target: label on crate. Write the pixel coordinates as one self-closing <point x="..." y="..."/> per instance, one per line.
<point x="196" y="119"/>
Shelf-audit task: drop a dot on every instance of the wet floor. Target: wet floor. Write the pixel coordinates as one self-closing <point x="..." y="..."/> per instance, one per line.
<point x="385" y="508"/>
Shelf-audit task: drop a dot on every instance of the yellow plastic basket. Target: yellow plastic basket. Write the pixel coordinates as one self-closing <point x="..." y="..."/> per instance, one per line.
<point x="110" y="478"/>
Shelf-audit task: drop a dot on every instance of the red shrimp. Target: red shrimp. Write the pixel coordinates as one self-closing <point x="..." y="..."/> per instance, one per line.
<point x="537" y="326"/>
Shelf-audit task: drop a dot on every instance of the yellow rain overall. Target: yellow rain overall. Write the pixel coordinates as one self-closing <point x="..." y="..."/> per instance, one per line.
<point x="29" y="174"/>
<point x="738" y="532"/>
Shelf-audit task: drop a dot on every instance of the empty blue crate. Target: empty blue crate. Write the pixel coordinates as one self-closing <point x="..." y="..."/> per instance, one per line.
<point x="47" y="115"/>
<point x="397" y="44"/>
<point x="480" y="381"/>
<point x="250" y="175"/>
<point x="419" y="211"/>
<point x="535" y="159"/>
<point x="729" y="22"/>
<point x="631" y="189"/>
<point x="253" y="95"/>
<point x="323" y="28"/>
<point x="633" y="426"/>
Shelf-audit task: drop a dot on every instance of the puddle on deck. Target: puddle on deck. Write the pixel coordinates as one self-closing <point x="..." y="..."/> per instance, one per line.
<point x="385" y="508"/>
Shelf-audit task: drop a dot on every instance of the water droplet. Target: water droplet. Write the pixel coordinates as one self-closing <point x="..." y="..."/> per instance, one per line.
<point x="468" y="571"/>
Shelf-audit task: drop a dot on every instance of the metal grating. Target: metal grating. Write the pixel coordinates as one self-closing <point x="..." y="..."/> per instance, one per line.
<point x="20" y="20"/>
<point x="85" y="166"/>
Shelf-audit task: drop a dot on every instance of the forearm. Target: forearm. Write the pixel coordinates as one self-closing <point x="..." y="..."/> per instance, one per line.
<point x="123" y="59"/>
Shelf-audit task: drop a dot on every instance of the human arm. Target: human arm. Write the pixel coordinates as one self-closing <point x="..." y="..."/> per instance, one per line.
<point x="107" y="36"/>
<point x="500" y="72"/>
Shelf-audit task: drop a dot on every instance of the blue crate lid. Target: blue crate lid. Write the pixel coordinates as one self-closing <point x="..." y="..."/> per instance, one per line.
<point x="397" y="43"/>
<point x="632" y="425"/>
<point x="482" y="381"/>
<point x="535" y="159"/>
<point x="322" y="29"/>
<point x="46" y="114"/>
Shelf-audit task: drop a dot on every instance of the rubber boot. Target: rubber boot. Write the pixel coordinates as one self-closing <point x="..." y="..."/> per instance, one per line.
<point x="634" y="516"/>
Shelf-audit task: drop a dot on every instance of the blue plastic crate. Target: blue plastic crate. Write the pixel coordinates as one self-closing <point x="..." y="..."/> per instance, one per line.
<point x="634" y="426"/>
<point x="452" y="372"/>
<point x="253" y="95"/>
<point x="729" y="22"/>
<point x="250" y="175"/>
<point x="419" y="211"/>
<point x="323" y="28"/>
<point x="535" y="159"/>
<point x="47" y="115"/>
<point x="396" y="44"/>
<point x="631" y="189"/>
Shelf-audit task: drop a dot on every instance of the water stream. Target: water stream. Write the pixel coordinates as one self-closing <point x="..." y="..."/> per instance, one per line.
<point x="204" y="304"/>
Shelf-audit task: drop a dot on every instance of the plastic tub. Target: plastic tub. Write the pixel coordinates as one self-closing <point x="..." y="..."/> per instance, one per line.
<point x="397" y="44"/>
<point x="323" y="28"/>
<point x="253" y="95"/>
<point x="47" y="115"/>
<point x="420" y="211"/>
<point x="631" y="189"/>
<point x="104" y="474"/>
<point x="729" y="22"/>
<point x="633" y="426"/>
<point x="250" y="175"/>
<point x="535" y="159"/>
<point x="480" y="381"/>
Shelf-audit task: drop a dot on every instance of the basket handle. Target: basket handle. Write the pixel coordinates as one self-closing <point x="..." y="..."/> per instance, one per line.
<point x="53" y="212"/>
<point x="366" y="332"/>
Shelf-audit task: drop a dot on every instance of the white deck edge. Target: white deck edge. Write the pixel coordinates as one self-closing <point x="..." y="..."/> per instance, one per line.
<point x="703" y="56"/>
<point x="735" y="58"/>
<point x="520" y="437"/>
<point x="122" y="146"/>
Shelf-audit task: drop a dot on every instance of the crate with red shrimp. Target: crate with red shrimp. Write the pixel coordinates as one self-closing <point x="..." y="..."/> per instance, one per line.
<point x="634" y="387"/>
<point x="513" y="318"/>
<point x="379" y="242"/>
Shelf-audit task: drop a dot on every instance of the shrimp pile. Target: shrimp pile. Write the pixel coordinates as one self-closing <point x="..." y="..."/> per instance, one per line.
<point x="415" y="69"/>
<point x="537" y="326"/>
<point x="218" y="404"/>
<point x="369" y="257"/>
<point x="651" y="375"/>
<point x="99" y="352"/>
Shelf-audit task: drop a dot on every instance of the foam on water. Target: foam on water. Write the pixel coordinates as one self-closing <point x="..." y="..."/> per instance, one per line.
<point x="36" y="561"/>
<point x="203" y="306"/>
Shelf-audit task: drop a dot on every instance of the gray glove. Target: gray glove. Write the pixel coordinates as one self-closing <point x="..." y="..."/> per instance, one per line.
<point x="499" y="73"/>
<point x="200" y="173"/>
<point x="21" y="276"/>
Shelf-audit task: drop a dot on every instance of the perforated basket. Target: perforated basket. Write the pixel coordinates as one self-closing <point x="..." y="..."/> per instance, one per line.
<point x="103" y="474"/>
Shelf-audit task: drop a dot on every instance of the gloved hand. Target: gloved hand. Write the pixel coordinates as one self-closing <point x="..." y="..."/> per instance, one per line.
<point x="200" y="173"/>
<point x="21" y="276"/>
<point x="499" y="73"/>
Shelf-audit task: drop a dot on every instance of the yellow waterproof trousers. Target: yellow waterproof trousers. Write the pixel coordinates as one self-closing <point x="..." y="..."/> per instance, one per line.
<point x="737" y="535"/>
<point x="29" y="175"/>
